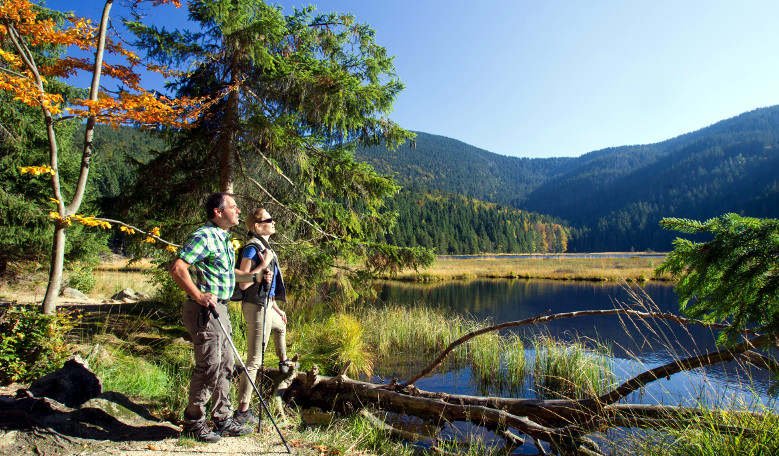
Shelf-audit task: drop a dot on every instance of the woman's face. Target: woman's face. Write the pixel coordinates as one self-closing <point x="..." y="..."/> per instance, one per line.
<point x="265" y="226"/>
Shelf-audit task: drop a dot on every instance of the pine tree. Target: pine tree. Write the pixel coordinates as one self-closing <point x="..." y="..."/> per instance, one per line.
<point x="733" y="277"/>
<point x="295" y="95"/>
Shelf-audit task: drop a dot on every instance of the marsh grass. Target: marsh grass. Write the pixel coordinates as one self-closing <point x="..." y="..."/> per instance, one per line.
<point x="471" y="445"/>
<point x="115" y="274"/>
<point x="333" y="341"/>
<point x="498" y="363"/>
<point x="415" y="330"/>
<point x="633" y="269"/>
<point x="569" y="370"/>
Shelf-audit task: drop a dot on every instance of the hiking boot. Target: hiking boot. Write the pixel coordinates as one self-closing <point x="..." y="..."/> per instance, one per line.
<point x="231" y="428"/>
<point x="246" y="417"/>
<point x="200" y="432"/>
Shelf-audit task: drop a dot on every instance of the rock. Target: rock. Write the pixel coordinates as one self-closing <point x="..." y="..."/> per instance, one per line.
<point x="72" y="385"/>
<point x="113" y="414"/>
<point x="96" y="410"/>
<point x="126" y="294"/>
<point x="7" y="438"/>
<point x="72" y="293"/>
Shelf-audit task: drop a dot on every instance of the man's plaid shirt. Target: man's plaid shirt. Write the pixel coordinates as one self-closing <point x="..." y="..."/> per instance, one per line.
<point x="212" y="258"/>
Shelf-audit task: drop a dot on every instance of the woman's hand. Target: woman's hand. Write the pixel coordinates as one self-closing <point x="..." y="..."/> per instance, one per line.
<point x="283" y="315"/>
<point x="267" y="276"/>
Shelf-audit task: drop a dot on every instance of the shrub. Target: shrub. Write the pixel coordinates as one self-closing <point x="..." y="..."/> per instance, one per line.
<point x="32" y="344"/>
<point x="81" y="277"/>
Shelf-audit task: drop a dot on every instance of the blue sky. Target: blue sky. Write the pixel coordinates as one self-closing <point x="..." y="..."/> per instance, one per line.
<point x="563" y="78"/>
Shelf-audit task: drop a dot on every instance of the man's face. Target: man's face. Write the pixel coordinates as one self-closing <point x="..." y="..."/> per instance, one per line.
<point x="229" y="216"/>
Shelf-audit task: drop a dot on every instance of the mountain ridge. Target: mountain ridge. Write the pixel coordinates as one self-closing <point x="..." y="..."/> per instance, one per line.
<point x="616" y="196"/>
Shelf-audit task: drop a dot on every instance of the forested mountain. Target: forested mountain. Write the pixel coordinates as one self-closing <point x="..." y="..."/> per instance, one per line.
<point x="451" y="166"/>
<point x="454" y="224"/>
<point x="614" y="197"/>
<point x="116" y="154"/>
<point x="446" y="223"/>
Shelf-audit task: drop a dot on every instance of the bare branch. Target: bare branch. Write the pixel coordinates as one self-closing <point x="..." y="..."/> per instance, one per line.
<point x="544" y="318"/>
<point x="761" y="361"/>
<point x="287" y="208"/>
<point x="706" y="359"/>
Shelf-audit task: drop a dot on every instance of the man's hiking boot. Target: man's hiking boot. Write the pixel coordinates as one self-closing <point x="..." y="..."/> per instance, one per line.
<point x="246" y="417"/>
<point x="231" y="428"/>
<point x="200" y="432"/>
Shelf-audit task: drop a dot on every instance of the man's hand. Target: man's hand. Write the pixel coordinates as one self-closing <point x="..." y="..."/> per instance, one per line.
<point x="207" y="300"/>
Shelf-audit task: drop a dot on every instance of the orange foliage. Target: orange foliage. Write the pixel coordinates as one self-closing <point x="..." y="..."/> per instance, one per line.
<point x="132" y="105"/>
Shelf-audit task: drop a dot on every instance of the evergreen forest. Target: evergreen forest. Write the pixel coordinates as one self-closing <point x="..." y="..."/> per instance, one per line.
<point x="611" y="199"/>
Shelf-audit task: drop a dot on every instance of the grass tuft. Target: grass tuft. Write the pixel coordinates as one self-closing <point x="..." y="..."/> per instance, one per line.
<point x="419" y="329"/>
<point x="334" y="342"/>
<point x="569" y="370"/>
<point x="498" y="363"/>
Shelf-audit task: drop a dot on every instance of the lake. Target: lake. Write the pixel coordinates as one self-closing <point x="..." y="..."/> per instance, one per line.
<point x="636" y="346"/>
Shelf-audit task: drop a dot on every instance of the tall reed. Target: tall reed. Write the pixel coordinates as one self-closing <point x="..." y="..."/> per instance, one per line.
<point x="498" y="363"/>
<point x="414" y="330"/>
<point x="749" y="434"/>
<point x="569" y="370"/>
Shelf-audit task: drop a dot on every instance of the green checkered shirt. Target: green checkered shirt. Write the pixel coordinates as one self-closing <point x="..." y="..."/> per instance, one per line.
<point x="212" y="260"/>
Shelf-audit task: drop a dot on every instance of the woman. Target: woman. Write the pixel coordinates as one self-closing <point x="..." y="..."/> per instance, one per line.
<point x="259" y="257"/>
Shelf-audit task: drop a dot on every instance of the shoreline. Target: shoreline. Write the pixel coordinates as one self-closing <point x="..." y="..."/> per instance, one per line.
<point x="594" y="267"/>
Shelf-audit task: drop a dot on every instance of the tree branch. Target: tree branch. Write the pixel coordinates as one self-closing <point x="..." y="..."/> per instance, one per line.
<point x="544" y="318"/>
<point x="713" y="357"/>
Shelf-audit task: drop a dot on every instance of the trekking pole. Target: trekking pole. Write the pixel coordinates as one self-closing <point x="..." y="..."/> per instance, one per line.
<point x="243" y="366"/>
<point x="266" y="287"/>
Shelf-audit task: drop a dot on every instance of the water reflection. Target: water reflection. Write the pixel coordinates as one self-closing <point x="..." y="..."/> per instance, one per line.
<point x="636" y="345"/>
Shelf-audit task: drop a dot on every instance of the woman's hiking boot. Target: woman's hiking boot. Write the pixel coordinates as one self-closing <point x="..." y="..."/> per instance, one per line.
<point x="231" y="428"/>
<point x="246" y="417"/>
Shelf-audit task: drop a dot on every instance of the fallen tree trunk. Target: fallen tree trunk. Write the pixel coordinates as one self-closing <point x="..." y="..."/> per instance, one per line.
<point x="562" y="423"/>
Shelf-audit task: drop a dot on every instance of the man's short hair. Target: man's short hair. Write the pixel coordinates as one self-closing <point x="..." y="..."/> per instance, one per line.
<point x="213" y="202"/>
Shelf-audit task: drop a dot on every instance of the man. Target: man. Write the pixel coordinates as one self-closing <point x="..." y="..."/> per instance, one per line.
<point x="205" y="270"/>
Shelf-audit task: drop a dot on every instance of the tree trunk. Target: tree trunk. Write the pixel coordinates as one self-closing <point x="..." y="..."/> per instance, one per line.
<point x="562" y="423"/>
<point x="225" y="146"/>
<point x="49" y="305"/>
